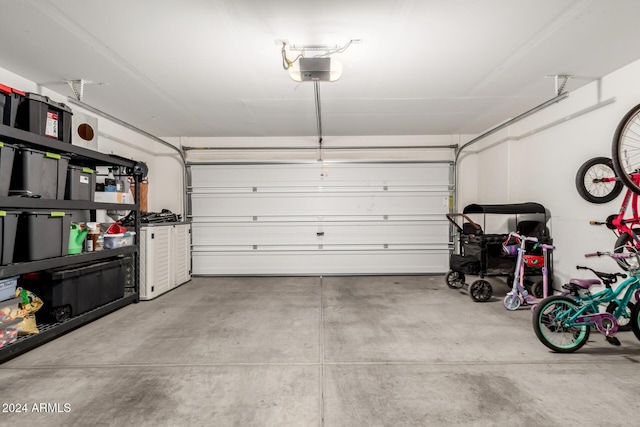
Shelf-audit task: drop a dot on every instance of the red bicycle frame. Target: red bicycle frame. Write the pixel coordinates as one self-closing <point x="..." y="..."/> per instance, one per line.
<point x="618" y="223"/>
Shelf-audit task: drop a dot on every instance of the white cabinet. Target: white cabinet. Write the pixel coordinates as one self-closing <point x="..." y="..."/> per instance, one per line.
<point x="165" y="259"/>
<point x="181" y="253"/>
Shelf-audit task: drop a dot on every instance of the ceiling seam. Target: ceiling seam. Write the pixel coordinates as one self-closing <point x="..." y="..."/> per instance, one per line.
<point x="532" y="43"/>
<point x="84" y="35"/>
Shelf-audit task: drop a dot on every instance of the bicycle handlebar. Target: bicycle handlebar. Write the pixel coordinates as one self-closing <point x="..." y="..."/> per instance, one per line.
<point x="614" y="255"/>
<point x="521" y="237"/>
<point x="605" y="277"/>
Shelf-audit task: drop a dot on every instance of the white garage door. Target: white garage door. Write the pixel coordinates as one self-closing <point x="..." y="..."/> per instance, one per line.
<point x="320" y="219"/>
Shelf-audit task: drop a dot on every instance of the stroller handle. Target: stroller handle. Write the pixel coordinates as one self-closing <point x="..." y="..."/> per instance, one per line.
<point x="452" y="219"/>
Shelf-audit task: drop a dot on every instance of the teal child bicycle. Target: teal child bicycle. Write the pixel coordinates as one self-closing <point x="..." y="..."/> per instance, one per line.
<point x="563" y="323"/>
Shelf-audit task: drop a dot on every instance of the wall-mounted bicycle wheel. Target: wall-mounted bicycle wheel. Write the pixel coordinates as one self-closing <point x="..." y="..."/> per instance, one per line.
<point x="625" y="149"/>
<point x="626" y="243"/>
<point x="590" y="184"/>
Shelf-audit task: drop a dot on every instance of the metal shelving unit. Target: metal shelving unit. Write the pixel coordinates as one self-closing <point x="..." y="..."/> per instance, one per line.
<point x="82" y="157"/>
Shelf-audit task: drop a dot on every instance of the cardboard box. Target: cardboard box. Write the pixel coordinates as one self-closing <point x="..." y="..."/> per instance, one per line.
<point x="112" y="197"/>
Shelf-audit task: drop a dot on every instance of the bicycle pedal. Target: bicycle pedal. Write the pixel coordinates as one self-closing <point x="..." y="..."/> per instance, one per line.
<point x="613" y="340"/>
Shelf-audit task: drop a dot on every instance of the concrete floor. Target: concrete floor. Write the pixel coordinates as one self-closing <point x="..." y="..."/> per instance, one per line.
<point x="336" y="351"/>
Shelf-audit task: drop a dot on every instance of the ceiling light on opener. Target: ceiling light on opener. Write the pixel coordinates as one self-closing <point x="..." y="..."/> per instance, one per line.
<point x="315" y="69"/>
<point x="320" y="67"/>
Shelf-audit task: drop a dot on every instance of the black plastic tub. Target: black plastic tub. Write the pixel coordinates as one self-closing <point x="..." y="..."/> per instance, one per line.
<point x="73" y="290"/>
<point x="8" y="229"/>
<point x="42" y="235"/>
<point x="10" y="98"/>
<point x="81" y="183"/>
<point x="40" y="115"/>
<point x="39" y="174"/>
<point x="7" y="156"/>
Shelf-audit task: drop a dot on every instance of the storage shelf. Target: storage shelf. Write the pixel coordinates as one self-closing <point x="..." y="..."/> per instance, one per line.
<point x="21" y="137"/>
<point x="44" y="264"/>
<point x="37" y="203"/>
<point x="50" y="331"/>
<point x="83" y="157"/>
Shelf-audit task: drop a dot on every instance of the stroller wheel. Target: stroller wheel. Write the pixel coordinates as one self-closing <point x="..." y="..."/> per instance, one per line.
<point x="537" y="289"/>
<point x="454" y="279"/>
<point x="480" y="291"/>
<point x="511" y="301"/>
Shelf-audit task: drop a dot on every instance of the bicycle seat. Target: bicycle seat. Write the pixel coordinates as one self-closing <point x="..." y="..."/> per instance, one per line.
<point x="578" y="284"/>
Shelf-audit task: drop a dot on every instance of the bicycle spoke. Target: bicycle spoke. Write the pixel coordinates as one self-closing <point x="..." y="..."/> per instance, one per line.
<point x="593" y="180"/>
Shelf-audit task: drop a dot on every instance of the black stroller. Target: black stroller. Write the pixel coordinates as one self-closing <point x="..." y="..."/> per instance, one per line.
<point x="482" y="254"/>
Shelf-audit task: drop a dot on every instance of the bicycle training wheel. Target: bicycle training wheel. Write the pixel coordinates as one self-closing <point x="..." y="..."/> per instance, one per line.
<point x="625" y="150"/>
<point x="589" y="181"/>
<point x="549" y="319"/>
<point x="624" y="322"/>
<point x="635" y="320"/>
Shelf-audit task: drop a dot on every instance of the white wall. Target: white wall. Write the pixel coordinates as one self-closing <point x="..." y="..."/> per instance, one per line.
<point x="165" y="176"/>
<point x="533" y="160"/>
<point x="537" y="158"/>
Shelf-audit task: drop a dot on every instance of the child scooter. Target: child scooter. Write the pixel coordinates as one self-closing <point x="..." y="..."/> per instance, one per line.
<point x="518" y="294"/>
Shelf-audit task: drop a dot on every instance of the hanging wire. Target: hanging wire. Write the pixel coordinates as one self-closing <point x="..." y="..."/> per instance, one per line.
<point x="286" y="62"/>
<point x="338" y="50"/>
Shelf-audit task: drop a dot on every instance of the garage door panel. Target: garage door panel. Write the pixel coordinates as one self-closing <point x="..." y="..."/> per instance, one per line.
<point x="288" y="219"/>
<point x="310" y="175"/>
<point x="273" y="233"/>
<point x="322" y="204"/>
<point x="321" y="262"/>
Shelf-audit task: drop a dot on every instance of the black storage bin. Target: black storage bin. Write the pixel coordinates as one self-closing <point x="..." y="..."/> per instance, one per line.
<point x="10" y="98"/>
<point x="7" y="155"/>
<point x="81" y="183"/>
<point x="39" y="174"/>
<point x="39" y="114"/>
<point x="73" y="290"/>
<point x="42" y="235"/>
<point x="8" y="229"/>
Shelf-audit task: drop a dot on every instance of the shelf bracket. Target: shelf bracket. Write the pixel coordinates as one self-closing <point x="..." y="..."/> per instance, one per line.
<point x="561" y="81"/>
<point x="77" y="88"/>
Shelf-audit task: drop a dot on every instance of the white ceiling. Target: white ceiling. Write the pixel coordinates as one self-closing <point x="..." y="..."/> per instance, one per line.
<point x="213" y="68"/>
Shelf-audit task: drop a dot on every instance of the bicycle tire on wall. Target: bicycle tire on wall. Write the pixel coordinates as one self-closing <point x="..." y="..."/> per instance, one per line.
<point x="623" y="244"/>
<point x="625" y="148"/>
<point x="599" y="192"/>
